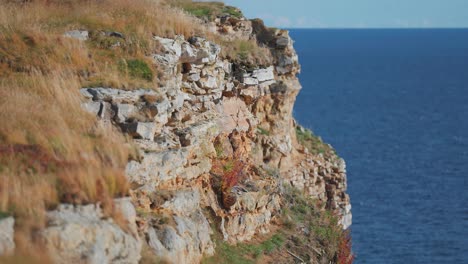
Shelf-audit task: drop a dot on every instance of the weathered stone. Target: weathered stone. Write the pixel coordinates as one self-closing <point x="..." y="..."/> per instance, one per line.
<point x="140" y="130"/>
<point x="173" y="46"/>
<point x="207" y="52"/>
<point x="209" y="83"/>
<point x="157" y="167"/>
<point x="123" y="112"/>
<point x="167" y="243"/>
<point x="186" y="243"/>
<point x="247" y="80"/>
<point x="184" y="202"/>
<point x="7" y="242"/>
<point x="178" y="102"/>
<point x="193" y="77"/>
<point x="347" y="218"/>
<point x="77" y="34"/>
<point x="263" y="75"/>
<point x="106" y="112"/>
<point x="116" y="95"/>
<point x="283" y="42"/>
<point x="234" y="115"/>
<point x="198" y="133"/>
<point x="126" y="208"/>
<point x="250" y="94"/>
<point x="189" y="54"/>
<point x="92" y="107"/>
<point x="82" y="234"/>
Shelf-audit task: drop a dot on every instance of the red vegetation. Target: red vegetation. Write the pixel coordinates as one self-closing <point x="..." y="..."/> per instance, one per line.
<point x="233" y="173"/>
<point x="345" y="254"/>
<point x="32" y="157"/>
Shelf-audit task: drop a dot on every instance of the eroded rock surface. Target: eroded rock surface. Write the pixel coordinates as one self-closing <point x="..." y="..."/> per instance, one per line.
<point x="82" y="234"/>
<point x="217" y="144"/>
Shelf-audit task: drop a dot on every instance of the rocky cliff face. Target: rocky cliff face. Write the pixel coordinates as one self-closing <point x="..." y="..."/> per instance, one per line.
<point x="217" y="145"/>
<point x="214" y="119"/>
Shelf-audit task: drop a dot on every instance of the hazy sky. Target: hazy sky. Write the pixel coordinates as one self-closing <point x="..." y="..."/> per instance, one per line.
<point x="357" y="13"/>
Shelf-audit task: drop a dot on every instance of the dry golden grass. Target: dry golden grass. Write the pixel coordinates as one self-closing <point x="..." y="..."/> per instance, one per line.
<point x="52" y="151"/>
<point x="31" y="37"/>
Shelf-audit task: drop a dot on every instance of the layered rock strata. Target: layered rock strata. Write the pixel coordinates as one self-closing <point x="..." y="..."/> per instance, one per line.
<point x="217" y="144"/>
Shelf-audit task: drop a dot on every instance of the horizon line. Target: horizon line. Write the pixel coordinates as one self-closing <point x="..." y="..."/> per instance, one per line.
<point x="376" y="28"/>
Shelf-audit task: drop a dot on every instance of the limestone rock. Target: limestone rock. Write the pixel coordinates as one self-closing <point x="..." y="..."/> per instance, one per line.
<point x="82" y="234"/>
<point x="207" y="51"/>
<point x="117" y="95"/>
<point x="157" y="167"/>
<point x="7" y="242"/>
<point x="235" y="115"/>
<point x="92" y="107"/>
<point x="77" y="34"/>
<point x="187" y="243"/>
<point x="211" y="109"/>
<point x="141" y="130"/>
<point x="171" y="46"/>
<point x="263" y="75"/>
<point x="124" y="112"/>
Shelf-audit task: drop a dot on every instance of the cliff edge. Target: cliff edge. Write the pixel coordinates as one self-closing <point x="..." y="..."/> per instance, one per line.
<point x="199" y="133"/>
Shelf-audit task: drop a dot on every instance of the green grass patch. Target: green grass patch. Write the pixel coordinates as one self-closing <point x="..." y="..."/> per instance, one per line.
<point x="323" y="231"/>
<point x="233" y="11"/>
<point x="244" y="253"/>
<point x="263" y="131"/>
<point x="208" y="10"/>
<point x="4" y="215"/>
<point x="313" y="143"/>
<point x="137" y="68"/>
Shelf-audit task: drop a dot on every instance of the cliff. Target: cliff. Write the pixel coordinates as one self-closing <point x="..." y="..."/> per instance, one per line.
<point x="215" y="161"/>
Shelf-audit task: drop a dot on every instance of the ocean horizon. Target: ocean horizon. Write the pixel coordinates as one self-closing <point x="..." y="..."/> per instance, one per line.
<point x="393" y="103"/>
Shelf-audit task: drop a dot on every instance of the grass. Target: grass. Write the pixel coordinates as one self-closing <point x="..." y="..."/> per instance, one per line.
<point x="306" y="229"/>
<point x="246" y="52"/>
<point x="207" y="10"/>
<point x="309" y="227"/>
<point x="244" y="253"/>
<point x="313" y="143"/>
<point x="31" y="38"/>
<point x="263" y="131"/>
<point x="53" y="152"/>
<point x="137" y="68"/>
<point x="3" y="215"/>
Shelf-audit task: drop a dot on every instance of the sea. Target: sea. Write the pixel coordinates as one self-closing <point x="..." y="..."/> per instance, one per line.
<point x="394" y="104"/>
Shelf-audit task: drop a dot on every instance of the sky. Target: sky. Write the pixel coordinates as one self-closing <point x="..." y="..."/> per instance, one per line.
<point x="357" y="13"/>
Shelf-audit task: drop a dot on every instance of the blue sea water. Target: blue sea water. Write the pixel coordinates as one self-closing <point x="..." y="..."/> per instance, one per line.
<point x="394" y="103"/>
